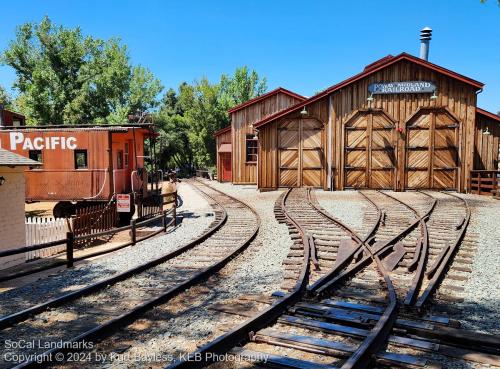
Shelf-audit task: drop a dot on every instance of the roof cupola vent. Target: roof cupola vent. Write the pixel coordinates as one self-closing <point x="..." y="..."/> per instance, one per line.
<point x="425" y="38"/>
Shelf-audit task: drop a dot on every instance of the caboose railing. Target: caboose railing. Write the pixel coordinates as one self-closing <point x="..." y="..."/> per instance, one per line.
<point x="485" y="182"/>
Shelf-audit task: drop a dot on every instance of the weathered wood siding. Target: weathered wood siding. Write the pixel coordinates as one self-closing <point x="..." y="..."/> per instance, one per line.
<point x="486" y="153"/>
<point x="268" y="157"/>
<point x="456" y="98"/>
<point x="243" y="172"/>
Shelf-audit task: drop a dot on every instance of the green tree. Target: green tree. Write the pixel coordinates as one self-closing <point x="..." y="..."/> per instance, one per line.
<point x="242" y="86"/>
<point x="187" y="118"/>
<point x="173" y="146"/>
<point x="65" y="77"/>
<point x="207" y="115"/>
<point x="5" y="98"/>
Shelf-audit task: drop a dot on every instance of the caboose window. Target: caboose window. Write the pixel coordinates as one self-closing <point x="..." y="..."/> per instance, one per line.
<point x="251" y="156"/>
<point x="119" y="159"/>
<point x="36" y="155"/>
<point x="81" y="159"/>
<point x="126" y="154"/>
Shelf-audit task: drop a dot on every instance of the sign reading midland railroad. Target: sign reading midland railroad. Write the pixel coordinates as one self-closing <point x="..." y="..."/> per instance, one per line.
<point x="410" y="87"/>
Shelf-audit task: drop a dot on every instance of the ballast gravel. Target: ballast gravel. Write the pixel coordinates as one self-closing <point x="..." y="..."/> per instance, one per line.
<point x="480" y="309"/>
<point x="194" y="216"/>
<point x="187" y="321"/>
<point x="347" y="206"/>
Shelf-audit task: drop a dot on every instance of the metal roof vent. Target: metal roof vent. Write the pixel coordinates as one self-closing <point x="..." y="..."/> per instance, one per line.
<point x="425" y="38"/>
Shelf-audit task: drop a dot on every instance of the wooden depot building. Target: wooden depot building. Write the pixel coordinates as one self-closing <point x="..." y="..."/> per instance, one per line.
<point x="402" y="123"/>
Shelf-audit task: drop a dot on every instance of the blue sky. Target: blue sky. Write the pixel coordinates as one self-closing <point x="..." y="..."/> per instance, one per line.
<point x="303" y="46"/>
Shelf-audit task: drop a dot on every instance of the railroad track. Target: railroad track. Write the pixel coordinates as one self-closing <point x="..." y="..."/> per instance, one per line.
<point x="91" y="313"/>
<point x="358" y="297"/>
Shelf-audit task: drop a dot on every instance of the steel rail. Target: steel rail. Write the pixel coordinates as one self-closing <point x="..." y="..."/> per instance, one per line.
<point x="19" y="316"/>
<point x="414" y="289"/>
<point x="244" y="332"/>
<point x="379" y="333"/>
<point x="445" y="262"/>
<point x="106" y="329"/>
<point x="336" y="275"/>
<point x="360" y="241"/>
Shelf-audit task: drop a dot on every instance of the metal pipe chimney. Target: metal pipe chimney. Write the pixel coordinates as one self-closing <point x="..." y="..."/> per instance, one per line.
<point x="425" y="38"/>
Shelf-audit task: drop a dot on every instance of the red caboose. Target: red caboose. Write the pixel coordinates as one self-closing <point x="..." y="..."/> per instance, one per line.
<point x="81" y="163"/>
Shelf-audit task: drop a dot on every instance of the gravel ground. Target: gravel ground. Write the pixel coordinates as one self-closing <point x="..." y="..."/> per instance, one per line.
<point x="481" y="307"/>
<point x="195" y="215"/>
<point x="347" y="206"/>
<point x="190" y="323"/>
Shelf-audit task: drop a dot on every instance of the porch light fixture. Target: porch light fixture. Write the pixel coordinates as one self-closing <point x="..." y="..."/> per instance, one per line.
<point x="434" y="96"/>
<point x="303" y="111"/>
<point x="486" y="131"/>
<point x="370" y="98"/>
<point x="2" y="180"/>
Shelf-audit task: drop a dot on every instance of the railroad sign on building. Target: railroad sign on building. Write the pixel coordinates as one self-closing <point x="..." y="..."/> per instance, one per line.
<point x="19" y="141"/>
<point x="123" y="203"/>
<point x="410" y="87"/>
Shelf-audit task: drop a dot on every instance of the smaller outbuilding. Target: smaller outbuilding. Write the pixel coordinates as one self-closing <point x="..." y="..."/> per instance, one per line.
<point x="10" y="118"/>
<point x="237" y="144"/>
<point x="12" y="198"/>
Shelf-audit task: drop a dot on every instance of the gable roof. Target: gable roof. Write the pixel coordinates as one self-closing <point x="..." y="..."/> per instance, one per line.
<point x="222" y="130"/>
<point x="488" y="114"/>
<point x="264" y="96"/>
<point x="370" y="69"/>
<point x="10" y="159"/>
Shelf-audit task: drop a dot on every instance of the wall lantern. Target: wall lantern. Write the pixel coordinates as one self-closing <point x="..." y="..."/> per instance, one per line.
<point x="2" y="180"/>
<point x="434" y="96"/>
<point x="303" y="111"/>
<point x="486" y="131"/>
<point x="370" y="98"/>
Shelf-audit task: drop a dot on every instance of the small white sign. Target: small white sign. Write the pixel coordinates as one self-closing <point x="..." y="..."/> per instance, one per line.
<point x="123" y="203"/>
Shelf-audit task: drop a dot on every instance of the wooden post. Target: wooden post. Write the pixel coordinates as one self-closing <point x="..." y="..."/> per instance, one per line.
<point x="479" y="183"/>
<point x="139" y="208"/>
<point x="494" y="183"/>
<point x="175" y="208"/>
<point x="164" y="221"/>
<point x="70" y="241"/>
<point x="133" y="232"/>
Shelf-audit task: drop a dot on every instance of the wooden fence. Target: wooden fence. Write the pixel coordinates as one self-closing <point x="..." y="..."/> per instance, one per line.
<point x="41" y="230"/>
<point x="485" y="182"/>
<point x="94" y="219"/>
<point x="106" y="216"/>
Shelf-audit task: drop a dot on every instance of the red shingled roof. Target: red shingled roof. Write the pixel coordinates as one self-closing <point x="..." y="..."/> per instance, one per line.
<point x="370" y="69"/>
<point x="266" y="95"/>
<point x="488" y="114"/>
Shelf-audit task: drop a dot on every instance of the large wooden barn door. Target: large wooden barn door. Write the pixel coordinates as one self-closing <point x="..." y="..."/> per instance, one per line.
<point x="300" y="153"/>
<point x="311" y="159"/>
<point x="432" y="151"/>
<point x="369" y="159"/>
<point x="288" y="144"/>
